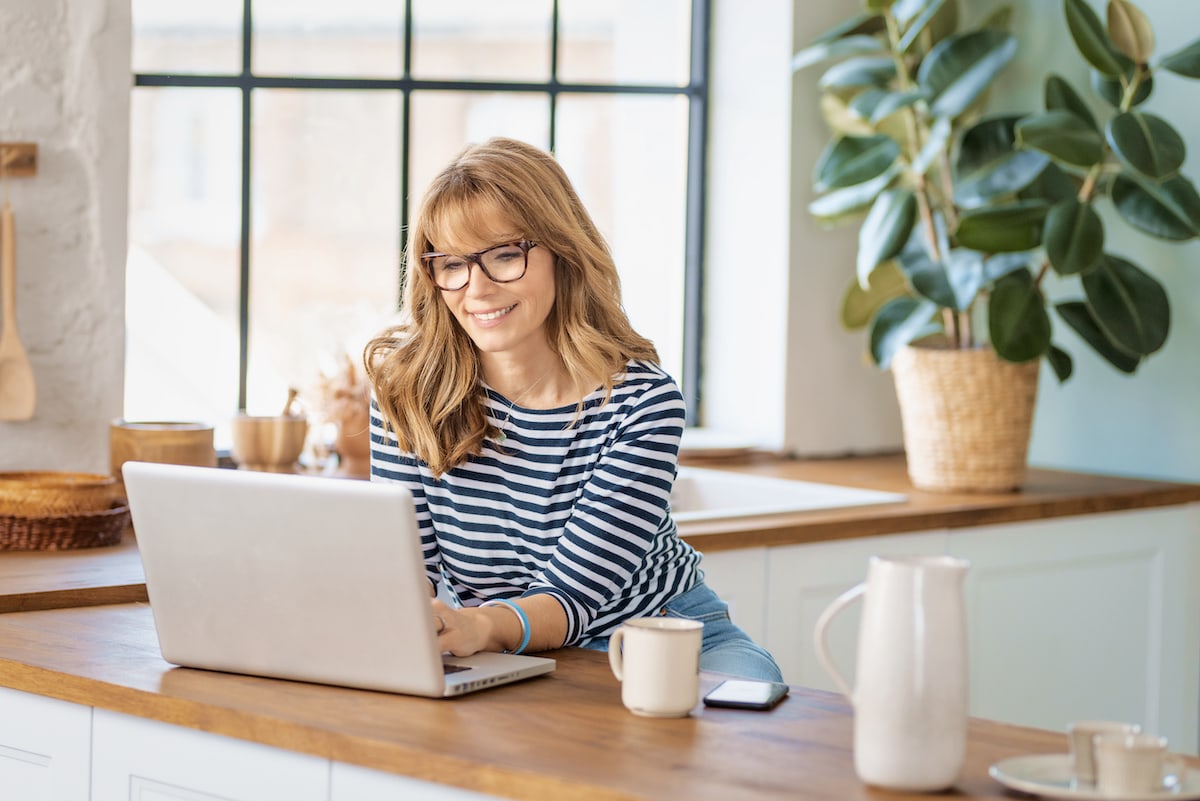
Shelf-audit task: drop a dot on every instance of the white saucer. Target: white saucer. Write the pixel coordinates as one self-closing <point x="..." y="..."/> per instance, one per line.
<point x="1049" y="775"/>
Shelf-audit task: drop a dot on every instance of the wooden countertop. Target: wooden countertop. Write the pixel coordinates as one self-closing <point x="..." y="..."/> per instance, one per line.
<point x="1045" y="494"/>
<point x="30" y="581"/>
<point x="564" y="736"/>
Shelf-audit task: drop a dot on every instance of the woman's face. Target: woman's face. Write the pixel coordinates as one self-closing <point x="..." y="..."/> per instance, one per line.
<point x="503" y="319"/>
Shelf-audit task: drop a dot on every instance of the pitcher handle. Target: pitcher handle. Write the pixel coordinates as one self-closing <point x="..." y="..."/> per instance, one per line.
<point x="821" y="642"/>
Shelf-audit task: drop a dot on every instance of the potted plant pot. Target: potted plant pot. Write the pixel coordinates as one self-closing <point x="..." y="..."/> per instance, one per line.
<point x="967" y="416"/>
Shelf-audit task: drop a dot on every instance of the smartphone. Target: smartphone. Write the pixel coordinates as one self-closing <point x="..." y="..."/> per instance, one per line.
<point x="742" y="694"/>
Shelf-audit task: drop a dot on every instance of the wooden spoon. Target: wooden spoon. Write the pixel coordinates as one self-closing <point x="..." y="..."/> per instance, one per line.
<point x="17" y="390"/>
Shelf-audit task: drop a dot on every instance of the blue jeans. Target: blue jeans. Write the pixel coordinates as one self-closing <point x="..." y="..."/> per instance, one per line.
<point x="725" y="648"/>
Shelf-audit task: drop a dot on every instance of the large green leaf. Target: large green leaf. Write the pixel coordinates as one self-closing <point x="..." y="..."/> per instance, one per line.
<point x="1073" y="235"/>
<point x="851" y="199"/>
<point x="967" y="275"/>
<point x="1113" y="91"/>
<point x="1130" y="31"/>
<point x="928" y="277"/>
<point x="906" y="10"/>
<point x="1090" y="37"/>
<point x="1168" y="210"/>
<point x="958" y="69"/>
<point x="859" y="305"/>
<point x="1185" y="61"/>
<point x="925" y="13"/>
<point x="1079" y="317"/>
<point x="865" y="102"/>
<point x="1018" y="325"/>
<point x="1060" y="361"/>
<point x="862" y="24"/>
<point x="1147" y="143"/>
<point x="888" y="226"/>
<point x="1052" y="185"/>
<point x="1060" y="95"/>
<point x="894" y="101"/>
<point x="899" y="322"/>
<point x="1129" y="305"/>
<point x="988" y="166"/>
<point x="858" y="71"/>
<point x="1003" y="229"/>
<point x="852" y="160"/>
<point x="1063" y="136"/>
<point x="837" y="48"/>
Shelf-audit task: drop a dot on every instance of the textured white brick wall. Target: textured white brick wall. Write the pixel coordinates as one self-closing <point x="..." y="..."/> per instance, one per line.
<point x="64" y="84"/>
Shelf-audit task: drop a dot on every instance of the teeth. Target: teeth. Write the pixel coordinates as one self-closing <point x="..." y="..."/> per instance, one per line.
<point x="496" y="314"/>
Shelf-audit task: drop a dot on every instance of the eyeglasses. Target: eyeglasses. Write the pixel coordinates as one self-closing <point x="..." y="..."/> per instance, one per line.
<point x="503" y="264"/>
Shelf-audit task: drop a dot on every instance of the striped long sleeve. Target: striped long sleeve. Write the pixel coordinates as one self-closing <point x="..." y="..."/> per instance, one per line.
<point x="577" y="509"/>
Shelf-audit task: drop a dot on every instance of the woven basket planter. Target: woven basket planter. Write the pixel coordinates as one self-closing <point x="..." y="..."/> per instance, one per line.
<point x="967" y="417"/>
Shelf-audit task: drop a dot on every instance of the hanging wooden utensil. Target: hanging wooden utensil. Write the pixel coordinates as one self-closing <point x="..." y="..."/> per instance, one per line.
<point x="18" y="393"/>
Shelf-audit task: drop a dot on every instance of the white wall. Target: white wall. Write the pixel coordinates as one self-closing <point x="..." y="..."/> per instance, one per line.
<point x="767" y="135"/>
<point x="64" y="84"/>
<point x="779" y="369"/>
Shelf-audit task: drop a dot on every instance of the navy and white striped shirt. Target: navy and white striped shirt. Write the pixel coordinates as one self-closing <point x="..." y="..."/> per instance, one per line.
<point x="580" y="512"/>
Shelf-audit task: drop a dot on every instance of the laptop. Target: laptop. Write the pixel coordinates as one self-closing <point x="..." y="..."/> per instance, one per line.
<point x="296" y="577"/>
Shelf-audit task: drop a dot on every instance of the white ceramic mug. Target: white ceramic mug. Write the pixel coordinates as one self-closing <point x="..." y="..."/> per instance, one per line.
<point x="1080" y="740"/>
<point x="657" y="661"/>
<point x="1135" y="765"/>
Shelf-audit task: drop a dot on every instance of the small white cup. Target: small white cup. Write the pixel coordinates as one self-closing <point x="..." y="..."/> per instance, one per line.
<point x="657" y="661"/>
<point x="1081" y="736"/>
<point x="1135" y="765"/>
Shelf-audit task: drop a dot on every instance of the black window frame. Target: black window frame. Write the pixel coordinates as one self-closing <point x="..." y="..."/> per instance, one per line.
<point x="696" y="91"/>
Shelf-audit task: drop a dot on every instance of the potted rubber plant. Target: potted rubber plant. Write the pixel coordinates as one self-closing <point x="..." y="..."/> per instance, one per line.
<point x="965" y="217"/>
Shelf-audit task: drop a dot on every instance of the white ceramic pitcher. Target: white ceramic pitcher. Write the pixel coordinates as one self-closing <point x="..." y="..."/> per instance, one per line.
<point x="910" y="698"/>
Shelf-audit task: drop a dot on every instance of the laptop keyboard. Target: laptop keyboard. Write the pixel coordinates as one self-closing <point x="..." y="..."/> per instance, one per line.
<point x="448" y="669"/>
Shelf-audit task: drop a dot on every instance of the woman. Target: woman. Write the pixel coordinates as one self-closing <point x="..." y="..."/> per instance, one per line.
<point x="533" y="425"/>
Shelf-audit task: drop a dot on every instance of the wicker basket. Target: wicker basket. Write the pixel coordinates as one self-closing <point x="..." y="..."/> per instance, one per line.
<point x="63" y="532"/>
<point x="967" y="417"/>
<point x="38" y="493"/>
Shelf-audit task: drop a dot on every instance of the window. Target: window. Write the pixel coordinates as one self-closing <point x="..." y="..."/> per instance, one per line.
<point x="279" y="147"/>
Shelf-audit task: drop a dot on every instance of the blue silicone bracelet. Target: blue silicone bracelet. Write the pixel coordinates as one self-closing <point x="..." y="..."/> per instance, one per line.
<point x="520" y="613"/>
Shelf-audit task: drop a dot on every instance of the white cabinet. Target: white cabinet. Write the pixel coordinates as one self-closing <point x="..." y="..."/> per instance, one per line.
<point x="739" y="578"/>
<point x="1094" y="617"/>
<point x="136" y="759"/>
<point x="352" y="783"/>
<point x="44" y="748"/>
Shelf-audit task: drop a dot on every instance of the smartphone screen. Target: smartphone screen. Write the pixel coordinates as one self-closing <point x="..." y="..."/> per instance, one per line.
<point x="743" y="694"/>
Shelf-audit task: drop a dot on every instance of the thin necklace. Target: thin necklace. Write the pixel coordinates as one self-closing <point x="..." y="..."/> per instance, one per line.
<point x="516" y="401"/>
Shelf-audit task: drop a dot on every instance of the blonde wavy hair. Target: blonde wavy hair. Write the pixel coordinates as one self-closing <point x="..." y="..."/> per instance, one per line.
<point x="425" y="372"/>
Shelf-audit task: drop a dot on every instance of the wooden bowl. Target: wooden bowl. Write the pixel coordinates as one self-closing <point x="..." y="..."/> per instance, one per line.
<point x="272" y="444"/>
<point x="160" y="441"/>
<point x="41" y="493"/>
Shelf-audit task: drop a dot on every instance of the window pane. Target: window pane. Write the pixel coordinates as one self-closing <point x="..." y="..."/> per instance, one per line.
<point x="443" y="123"/>
<point x="625" y="42"/>
<point x="325" y="248"/>
<point x="349" y="38"/>
<point x="187" y="37"/>
<point x="635" y="187"/>
<point x="181" y="286"/>
<point x="464" y="40"/>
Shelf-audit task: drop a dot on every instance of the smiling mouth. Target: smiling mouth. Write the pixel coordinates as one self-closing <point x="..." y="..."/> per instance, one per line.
<point x="494" y="315"/>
